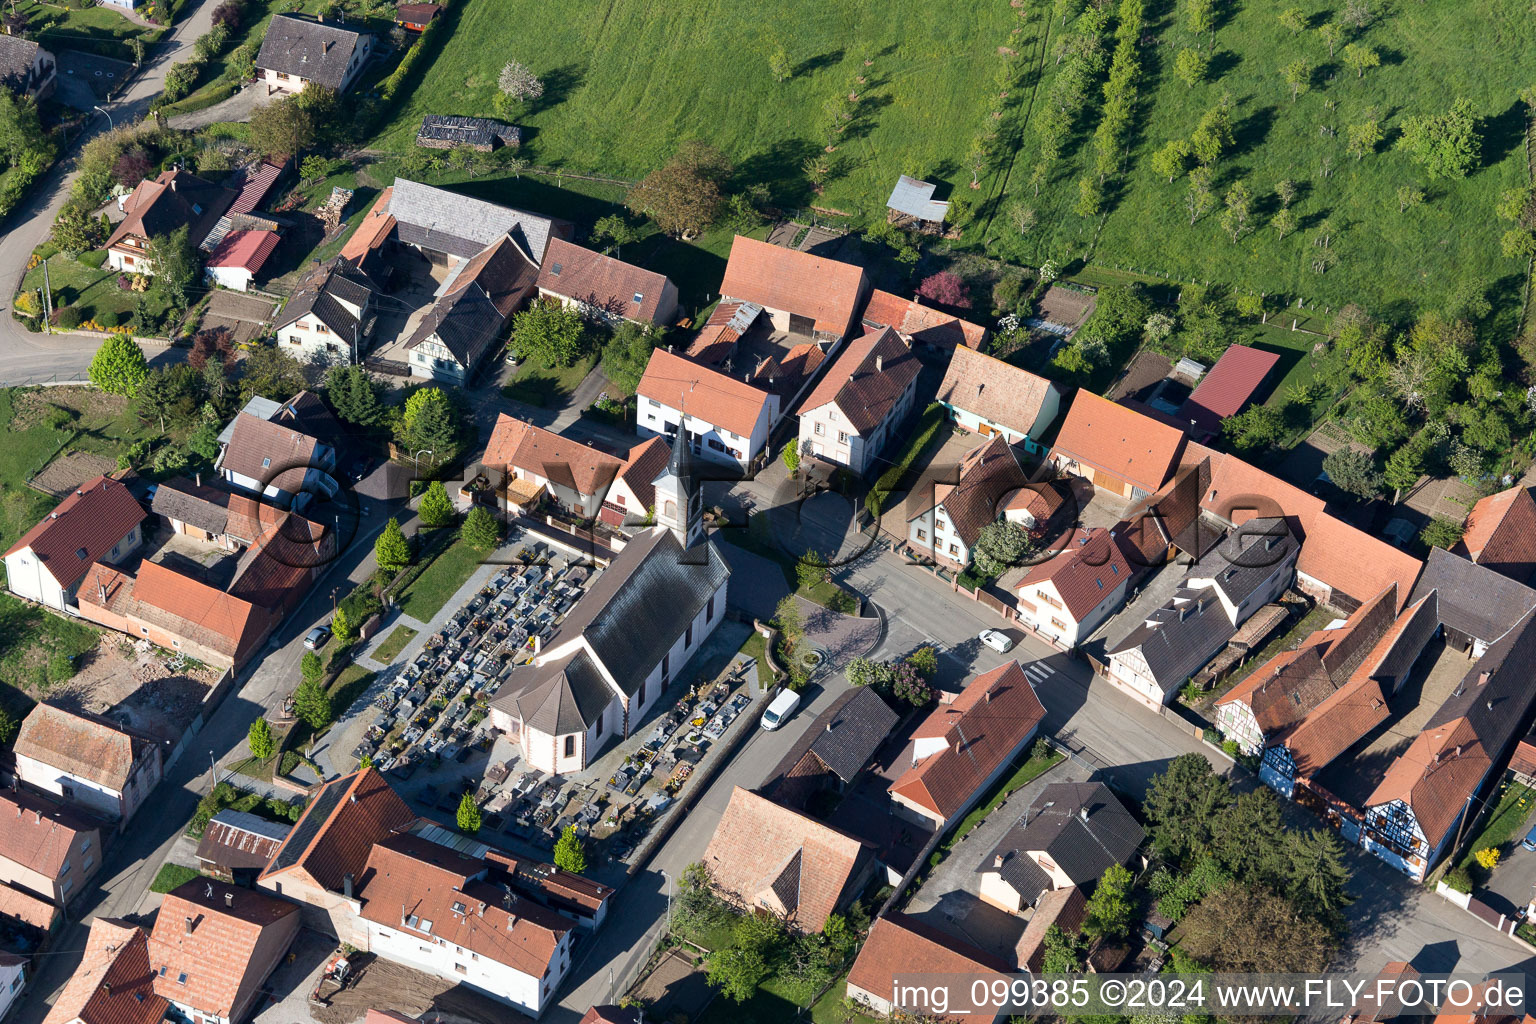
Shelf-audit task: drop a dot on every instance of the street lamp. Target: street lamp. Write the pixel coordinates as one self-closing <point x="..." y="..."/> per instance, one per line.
<point x="110" y="123"/>
<point x="668" y="877"/>
<point x="429" y="451"/>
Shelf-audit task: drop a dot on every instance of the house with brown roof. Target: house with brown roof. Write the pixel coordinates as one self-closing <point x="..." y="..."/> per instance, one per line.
<point x="1340" y="566"/>
<point x="963" y="746"/>
<point x="944" y="522"/>
<point x="330" y="315"/>
<point x="1116" y="448"/>
<point x="726" y="420"/>
<point x="527" y="462"/>
<point x="23" y="909"/>
<point x="988" y="396"/>
<point x="931" y="330"/>
<point x="112" y="984"/>
<point x="45" y="847"/>
<point x="1066" y="909"/>
<point x="1415" y="811"/>
<point x="1305" y="707"/>
<point x="321" y="862"/>
<point x="1066" y="597"/>
<point x="214" y="945"/>
<point x="438" y="909"/>
<point x="157" y="209"/>
<point x="1501" y="533"/>
<point x="804" y="295"/>
<point x="90" y="762"/>
<point x="100" y="521"/>
<point x="416" y="17"/>
<point x="860" y="401"/>
<point x="764" y="856"/>
<point x="632" y="494"/>
<point x="605" y="288"/>
<point x="277" y="461"/>
<point x="898" y="944"/>
<point x="1229" y="385"/>
<point x="236" y="846"/>
<point x="179" y="613"/>
<point x="471" y="314"/>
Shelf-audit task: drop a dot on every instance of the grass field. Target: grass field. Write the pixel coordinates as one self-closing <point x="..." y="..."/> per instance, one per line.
<point x="170" y="876"/>
<point x="626" y="83"/>
<point x="92" y="290"/>
<point x="99" y="30"/>
<point x="432" y="589"/>
<point x="548" y="386"/>
<point x="393" y="644"/>
<point x="1390" y="261"/>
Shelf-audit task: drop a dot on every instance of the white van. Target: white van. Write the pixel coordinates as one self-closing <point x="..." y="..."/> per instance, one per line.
<point x="780" y="708"/>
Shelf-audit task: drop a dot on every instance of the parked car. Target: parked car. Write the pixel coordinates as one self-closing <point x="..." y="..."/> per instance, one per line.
<point x="999" y="641"/>
<point x="780" y="708"/>
<point x="1530" y="839"/>
<point x="317" y="637"/>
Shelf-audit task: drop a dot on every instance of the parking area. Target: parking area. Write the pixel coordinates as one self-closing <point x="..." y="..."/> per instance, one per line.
<point x="86" y="80"/>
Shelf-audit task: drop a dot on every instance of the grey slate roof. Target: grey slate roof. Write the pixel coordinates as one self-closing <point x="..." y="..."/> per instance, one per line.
<point x="643" y="601"/>
<point x="558" y="698"/>
<point x="1474" y="599"/>
<point x="1080" y="826"/>
<point x="483" y="294"/>
<point x="1182" y="635"/>
<point x="310" y="49"/>
<point x="844" y="737"/>
<point x="185" y="507"/>
<point x="1499" y="706"/>
<point x="17" y="55"/>
<point x="435" y="218"/>
<point x="317" y="292"/>
<point x="467" y="131"/>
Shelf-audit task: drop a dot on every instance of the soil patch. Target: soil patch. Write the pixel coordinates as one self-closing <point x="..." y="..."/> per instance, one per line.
<point x="412" y="992"/>
<point x="67" y="472"/>
<point x="34" y="407"/>
<point x="138" y="683"/>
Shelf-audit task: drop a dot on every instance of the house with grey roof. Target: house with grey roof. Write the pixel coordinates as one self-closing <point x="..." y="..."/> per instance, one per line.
<point x="299" y="50"/>
<point x="1478" y="605"/>
<point x="626" y="641"/>
<point x="1250" y="568"/>
<point x="834" y="750"/>
<point x="447" y="226"/>
<point x="330" y="315"/>
<point x="1071" y="835"/>
<point x="471" y="313"/>
<point x="27" y="68"/>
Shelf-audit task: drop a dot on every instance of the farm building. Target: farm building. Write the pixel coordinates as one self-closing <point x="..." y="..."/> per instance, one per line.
<point x="416" y="17"/>
<point x="912" y="205"/>
<point x="445" y="131"/>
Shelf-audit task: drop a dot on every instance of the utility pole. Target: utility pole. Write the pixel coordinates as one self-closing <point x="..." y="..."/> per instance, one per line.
<point x="47" y="301"/>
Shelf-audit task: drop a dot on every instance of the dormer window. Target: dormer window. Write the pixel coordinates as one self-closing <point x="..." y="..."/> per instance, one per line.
<point x="81" y="553"/>
<point x="639" y="298"/>
<point x="555" y="269"/>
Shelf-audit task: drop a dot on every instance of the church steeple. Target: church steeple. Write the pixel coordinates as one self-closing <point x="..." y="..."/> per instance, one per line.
<point x="679" y="494"/>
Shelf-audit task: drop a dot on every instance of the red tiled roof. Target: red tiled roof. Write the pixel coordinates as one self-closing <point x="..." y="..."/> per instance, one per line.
<point x="207" y="932"/>
<point x="796" y="282"/>
<point x="26" y="908"/>
<point x="867" y="379"/>
<point x="37" y="832"/>
<point x="987" y="724"/>
<point x="1434" y="775"/>
<point x="1343" y="717"/>
<point x="1119" y="441"/>
<point x="520" y="444"/>
<point x="255" y="188"/>
<point x="611" y="1015"/>
<point x="573" y="272"/>
<point x="1501" y="533"/>
<point x="422" y="888"/>
<point x="174" y="200"/>
<point x="85" y="746"/>
<point x="1066" y="909"/>
<point x="708" y="394"/>
<point x="206" y="614"/>
<point x="363" y="811"/>
<point x="82" y="528"/>
<point x="899" y="944"/>
<point x="1228" y="386"/>
<point x="768" y="856"/>
<point x="247" y="250"/>
<point x="720" y="334"/>
<point x="994" y="390"/>
<point x="112" y="983"/>
<point x="917" y="322"/>
<point x="372" y="232"/>
<point x="1089" y="567"/>
<point x="1524" y="758"/>
<point x="645" y="462"/>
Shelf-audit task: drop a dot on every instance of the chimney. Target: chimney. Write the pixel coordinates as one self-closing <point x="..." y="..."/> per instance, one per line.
<point x="987" y="697"/>
<point x="1484" y="676"/>
<point x="997" y="861"/>
<point x="346" y="885"/>
<point x="188" y="922"/>
<point x="229" y="899"/>
<point x="1082" y="812"/>
<point x="829" y="726"/>
<point x="173" y="183"/>
<point x="106" y="987"/>
<point x="879" y="363"/>
<point x="538" y="645"/>
<point x="39" y="820"/>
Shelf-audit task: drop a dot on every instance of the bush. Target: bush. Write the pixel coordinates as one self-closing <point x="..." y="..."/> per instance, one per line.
<point x="108" y="319"/>
<point x="1459" y="879"/>
<point x="289" y="762"/>
<point x="94" y="259"/>
<point x="69" y="318"/>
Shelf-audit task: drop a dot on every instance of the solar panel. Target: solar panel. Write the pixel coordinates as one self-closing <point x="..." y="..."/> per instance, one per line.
<point x="309" y="826"/>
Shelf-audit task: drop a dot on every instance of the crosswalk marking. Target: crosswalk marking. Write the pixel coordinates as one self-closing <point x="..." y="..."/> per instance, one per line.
<point x="1038" y="672"/>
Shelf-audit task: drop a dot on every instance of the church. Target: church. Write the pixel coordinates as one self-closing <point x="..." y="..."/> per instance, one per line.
<point x="627" y="640"/>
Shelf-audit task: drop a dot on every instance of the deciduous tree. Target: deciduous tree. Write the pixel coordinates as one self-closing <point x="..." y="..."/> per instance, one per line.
<point x="1360" y="58"/>
<point x="1248" y="929"/>
<point x="518" y="81"/>
<point x="1293" y="19"/>
<point x="1331" y="35"/>
<point x="1234" y="219"/>
<point x="685" y="196"/>
<point x="780" y="66"/>
<point x="313" y="704"/>
<point x="1172" y="160"/>
<point x="1001" y="544"/>
<point x="284" y="128"/>
<point x="435" y="509"/>
<point x="1447" y="145"/>
<point x="1353" y="471"/>
<point x="1109" y="909"/>
<point x="1191" y="66"/>
<point x="260" y="739"/>
<point x="549" y="332"/>
<point x="1363" y="138"/>
<point x="119" y="366"/>
<point x="1298" y="77"/>
<point x="946" y="288"/>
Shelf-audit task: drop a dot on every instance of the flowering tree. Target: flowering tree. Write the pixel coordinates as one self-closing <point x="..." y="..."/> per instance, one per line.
<point x="946" y="289"/>
<point x="518" y="81"/>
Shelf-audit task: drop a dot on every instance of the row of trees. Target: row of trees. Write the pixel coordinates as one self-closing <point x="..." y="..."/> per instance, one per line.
<point x="1080" y="60"/>
<point x="1120" y="92"/>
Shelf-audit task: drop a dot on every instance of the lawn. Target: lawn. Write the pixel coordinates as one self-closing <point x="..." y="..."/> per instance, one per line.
<point x="757" y="647"/>
<point x="1387" y="260"/>
<point x="624" y="84"/>
<point x="1032" y="768"/>
<point x="829" y="1008"/>
<point x="92" y="290"/>
<point x="548" y="386"/>
<point x="393" y="644"/>
<point x="441" y="580"/>
<point x="99" y="30"/>
<point x="172" y="875"/>
<point x="1502" y="826"/>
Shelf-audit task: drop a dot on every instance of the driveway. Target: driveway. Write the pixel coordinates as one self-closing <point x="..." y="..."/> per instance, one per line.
<point x="238" y="107"/>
